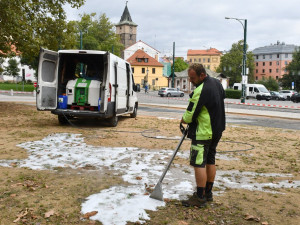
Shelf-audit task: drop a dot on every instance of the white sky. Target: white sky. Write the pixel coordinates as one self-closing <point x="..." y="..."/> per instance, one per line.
<point x="138" y="168"/>
<point x="195" y="24"/>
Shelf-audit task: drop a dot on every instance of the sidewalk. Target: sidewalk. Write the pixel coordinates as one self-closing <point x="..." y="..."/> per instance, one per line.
<point x="277" y="114"/>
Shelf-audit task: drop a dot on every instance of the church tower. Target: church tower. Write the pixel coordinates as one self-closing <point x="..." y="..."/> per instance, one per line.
<point x="126" y="29"/>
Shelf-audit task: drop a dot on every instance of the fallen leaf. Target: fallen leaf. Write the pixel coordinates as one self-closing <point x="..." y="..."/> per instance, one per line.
<point x="13" y="195"/>
<point x="250" y="217"/>
<point x="89" y="214"/>
<point x="138" y="178"/>
<point x="264" y="223"/>
<point x="49" y="213"/>
<point x="21" y="215"/>
<point x="182" y="222"/>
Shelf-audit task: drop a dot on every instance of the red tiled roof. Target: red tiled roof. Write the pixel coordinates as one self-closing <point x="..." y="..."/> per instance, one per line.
<point x="211" y="51"/>
<point x="141" y="55"/>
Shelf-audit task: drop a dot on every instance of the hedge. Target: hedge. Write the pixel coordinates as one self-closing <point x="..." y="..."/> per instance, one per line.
<point x="235" y="94"/>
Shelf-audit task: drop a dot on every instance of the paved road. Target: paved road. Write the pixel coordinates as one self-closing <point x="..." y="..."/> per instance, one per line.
<point x="235" y="114"/>
<point x="176" y="113"/>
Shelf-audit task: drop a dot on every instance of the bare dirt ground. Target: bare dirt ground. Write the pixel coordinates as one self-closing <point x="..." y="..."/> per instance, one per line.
<point x="54" y="196"/>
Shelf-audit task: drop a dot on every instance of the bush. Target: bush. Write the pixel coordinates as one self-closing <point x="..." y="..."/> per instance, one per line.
<point x="230" y="93"/>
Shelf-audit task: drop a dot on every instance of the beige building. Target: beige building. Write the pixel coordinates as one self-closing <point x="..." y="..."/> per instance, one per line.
<point x="209" y="58"/>
<point x="147" y="70"/>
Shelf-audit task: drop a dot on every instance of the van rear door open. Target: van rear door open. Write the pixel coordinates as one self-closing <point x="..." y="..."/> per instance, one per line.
<point x="46" y="94"/>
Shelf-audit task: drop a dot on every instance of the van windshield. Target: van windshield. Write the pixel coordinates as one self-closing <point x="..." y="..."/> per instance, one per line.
<point x="263" y="89"/>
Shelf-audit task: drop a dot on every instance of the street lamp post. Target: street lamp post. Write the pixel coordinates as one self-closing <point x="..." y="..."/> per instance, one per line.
<point x="244" y="70"/>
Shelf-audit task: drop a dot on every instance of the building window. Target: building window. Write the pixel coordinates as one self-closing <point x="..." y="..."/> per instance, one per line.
<point x="270" y="70"/>
<point x="263" y="71"/>
<point x="130" y="36"/>
<point x="191" y="60"/>
<point x="264" y="56"/>
<point x="285" y="62"/>
<point x="208" y="60"/>
<point x="256" y="71"/>
<point x="132" y="69"/>
<point x="143" y="70"/>
<point x="200" y="60"/>
<point x="195" y="60"/>
<point x="257" y="64"/>
<point x="277" y="77"/>
<point x="270" y="56"/>
<point x="257" y="57"/>
<point x="256" y="78"/>
<point x="153" y="70"/>
<point x="285" y="70"/>
<point x="286" y="55"/>
<point x="204" y="60"/>
<point x="277" y="56"/>
<point x="263" y="63"/>
<point x="277" y="63"/>
<point x="153" y="82"/>
<point x="139" y="60"/>
<point x="270" y="63"/>
<point x="146" y="60"/>
<point x="277" y="70"/>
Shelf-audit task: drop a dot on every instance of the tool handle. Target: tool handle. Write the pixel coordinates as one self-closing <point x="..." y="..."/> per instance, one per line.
<point x="174" y="154"/>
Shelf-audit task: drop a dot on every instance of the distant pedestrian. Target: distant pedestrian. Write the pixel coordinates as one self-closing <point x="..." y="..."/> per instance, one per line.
<point x="146" y="89"/>
<point x="205" y="115"/>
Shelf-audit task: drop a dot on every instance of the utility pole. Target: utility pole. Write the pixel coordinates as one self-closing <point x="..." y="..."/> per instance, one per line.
<point x="173" y="72"/>
<point x="244" y="69"/>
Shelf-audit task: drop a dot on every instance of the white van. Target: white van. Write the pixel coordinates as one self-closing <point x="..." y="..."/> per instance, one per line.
<point x="257" y="91"/>
<point x="85" y="83"/>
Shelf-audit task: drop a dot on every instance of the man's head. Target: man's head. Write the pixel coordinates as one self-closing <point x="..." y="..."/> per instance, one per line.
<point x="196" y="73"/>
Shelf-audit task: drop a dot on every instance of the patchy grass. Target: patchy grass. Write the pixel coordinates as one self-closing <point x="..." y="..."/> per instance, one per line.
<point x="55" y="197"/>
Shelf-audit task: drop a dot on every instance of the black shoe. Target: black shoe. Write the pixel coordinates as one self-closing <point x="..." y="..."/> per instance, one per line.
<point x="194" y="200"/>
<point x="209" y="197"/>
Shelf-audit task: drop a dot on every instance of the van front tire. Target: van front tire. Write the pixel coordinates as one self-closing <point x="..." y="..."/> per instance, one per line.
<point x="113" y="121"/>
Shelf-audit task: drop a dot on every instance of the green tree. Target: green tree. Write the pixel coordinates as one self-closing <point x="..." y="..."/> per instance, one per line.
<point x="31" y="24"/>
<point x="293" y="75"/>
<point x="231" y="64"/>
<point x="1" y="65"/>
<point x="271" y="84"/>
<point x="12" y="68"/>
<point x="180" y="65"/>
<point x="98" y="34"/>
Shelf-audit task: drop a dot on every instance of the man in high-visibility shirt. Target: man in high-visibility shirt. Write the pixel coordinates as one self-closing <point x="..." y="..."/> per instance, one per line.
<point x="205" y="115"/>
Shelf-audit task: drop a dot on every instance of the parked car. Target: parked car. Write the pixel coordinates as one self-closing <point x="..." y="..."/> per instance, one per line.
<point x="170" y="92"/>
<point x="287" y="94"/>
<point x="295" y="97"/>
<point x="275" y="95"/>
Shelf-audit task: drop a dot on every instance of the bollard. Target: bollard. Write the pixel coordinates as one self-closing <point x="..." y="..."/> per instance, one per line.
<point x="34" y="93"/>
<point x="11" y="92"/>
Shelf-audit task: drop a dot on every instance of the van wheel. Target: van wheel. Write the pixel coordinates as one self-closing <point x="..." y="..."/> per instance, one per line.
<point x="113" y="121"/>
<point x="134" y="114"/>
<point x="168" y="95"/>
<point x="62" y="120"/>
<point x="288" y="98"/>
<point x="181" y="95"/>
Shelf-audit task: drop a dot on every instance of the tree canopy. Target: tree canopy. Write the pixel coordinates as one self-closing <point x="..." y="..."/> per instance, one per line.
<point x="293" y="75"/>
<point x="12" y="68"/>
<point x="180" y="65"/>
<point x="231" y="64"/>
<point x="98" y="34"/>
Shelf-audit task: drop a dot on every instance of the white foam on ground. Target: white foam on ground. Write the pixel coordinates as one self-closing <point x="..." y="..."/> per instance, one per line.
<point x="139" y="167"/>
